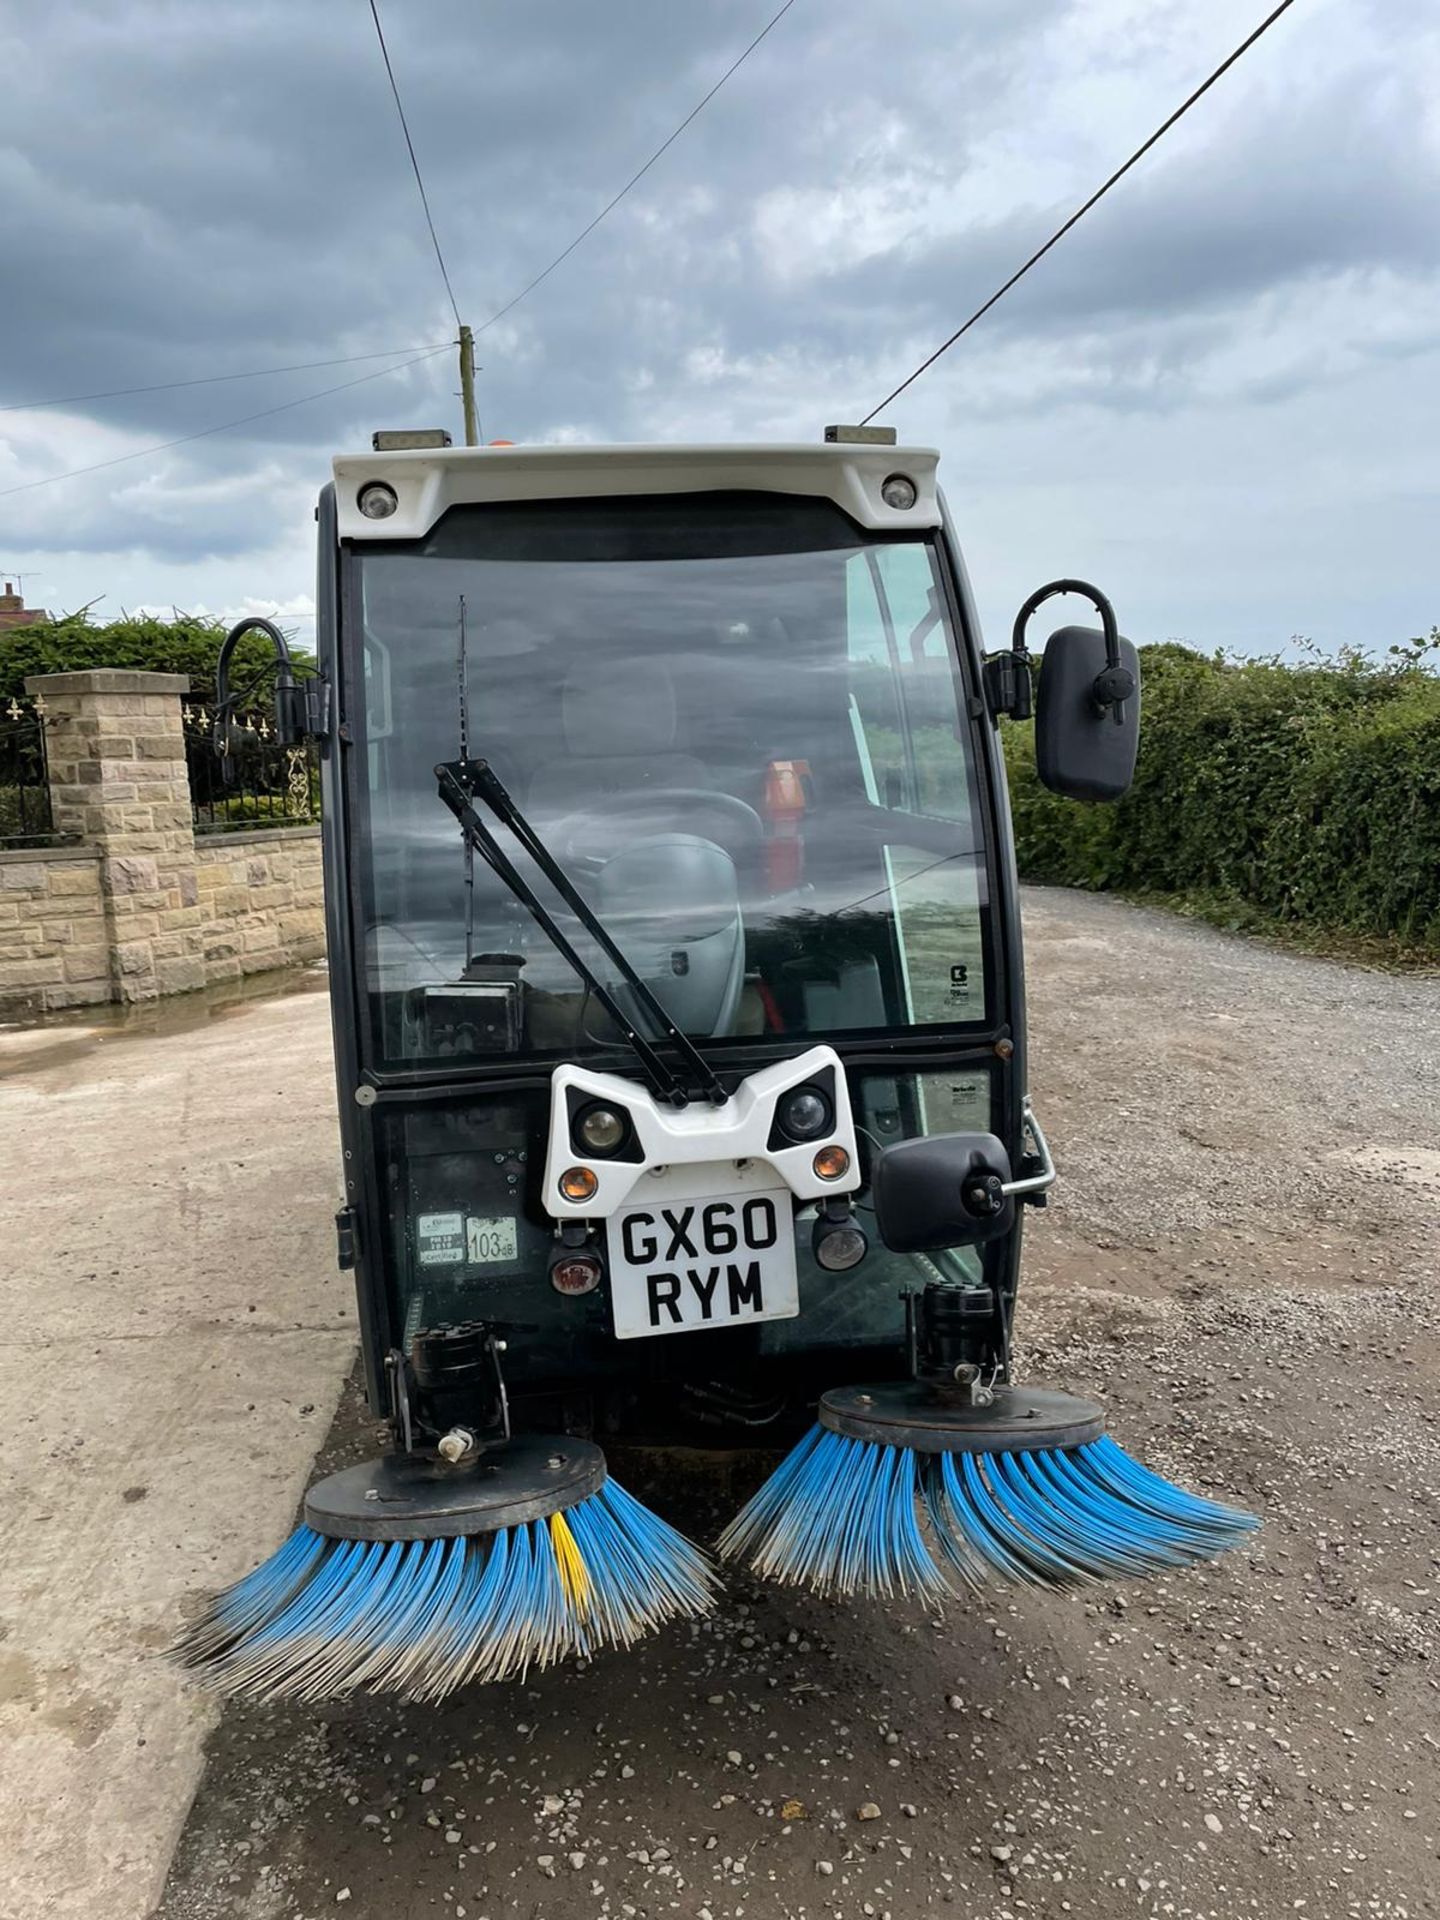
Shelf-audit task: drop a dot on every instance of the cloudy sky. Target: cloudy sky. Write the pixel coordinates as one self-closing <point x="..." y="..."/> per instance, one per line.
<point x="1220" y="398"/>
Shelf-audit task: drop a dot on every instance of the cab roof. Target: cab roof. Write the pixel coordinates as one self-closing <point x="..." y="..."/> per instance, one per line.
<point x="428" y="481"/>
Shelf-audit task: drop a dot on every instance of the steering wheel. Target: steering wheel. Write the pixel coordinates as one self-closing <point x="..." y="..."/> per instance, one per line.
<point x="747" y="837"/>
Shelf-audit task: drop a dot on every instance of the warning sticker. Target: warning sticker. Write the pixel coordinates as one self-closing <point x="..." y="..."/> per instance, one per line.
<point x="440" y="1240"/>
<point x="490" y="1240"/>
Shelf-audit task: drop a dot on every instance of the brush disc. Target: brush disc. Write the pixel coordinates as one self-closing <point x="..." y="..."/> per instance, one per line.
<point x="903" y="1413"/>
<point x="408" y="1497"/>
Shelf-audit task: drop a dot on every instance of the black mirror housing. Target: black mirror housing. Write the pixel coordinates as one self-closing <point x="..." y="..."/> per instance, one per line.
<point x="943" y="1190"/>
<point x="1086" y="742"/>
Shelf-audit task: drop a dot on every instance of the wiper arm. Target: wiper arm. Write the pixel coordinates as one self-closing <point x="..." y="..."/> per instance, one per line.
<point x="461" y="782"/>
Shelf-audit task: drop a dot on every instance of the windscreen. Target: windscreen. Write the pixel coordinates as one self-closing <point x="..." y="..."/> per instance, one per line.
<point x="736" y="721"/>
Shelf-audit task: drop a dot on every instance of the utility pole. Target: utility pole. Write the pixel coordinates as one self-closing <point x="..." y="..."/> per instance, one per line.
<point x="467" y="386"/>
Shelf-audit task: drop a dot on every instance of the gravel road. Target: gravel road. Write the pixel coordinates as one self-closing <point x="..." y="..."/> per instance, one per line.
<point x="1242" y="1259"/>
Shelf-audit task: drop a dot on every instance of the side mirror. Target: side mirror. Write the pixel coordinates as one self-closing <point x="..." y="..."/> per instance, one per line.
<point x="1087" y="715"/>
<point x="296" y="712"/>
<point x="943" y="1190"/>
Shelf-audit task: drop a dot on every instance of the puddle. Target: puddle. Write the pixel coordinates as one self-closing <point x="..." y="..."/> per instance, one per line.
<point x="57" y="1039"/>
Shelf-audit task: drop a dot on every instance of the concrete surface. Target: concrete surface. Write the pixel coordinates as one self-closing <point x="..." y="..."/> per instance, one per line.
<point x="173" y="1335"/>
<point x="1242" y="1261"/>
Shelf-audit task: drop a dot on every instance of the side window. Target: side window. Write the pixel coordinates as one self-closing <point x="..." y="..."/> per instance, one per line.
<point x="906" y="715"/>
<point x="902" y="683"/>
<point x="876" y="715"/>
<point x="910" y="594"/>
<point x="375" y="665"/>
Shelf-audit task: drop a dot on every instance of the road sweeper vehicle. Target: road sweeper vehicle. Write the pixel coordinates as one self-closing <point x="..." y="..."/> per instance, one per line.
<point x="675" y="960"/>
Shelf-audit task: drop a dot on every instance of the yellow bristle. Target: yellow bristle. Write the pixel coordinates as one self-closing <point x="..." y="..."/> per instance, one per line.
<point x="574" y="1580"/>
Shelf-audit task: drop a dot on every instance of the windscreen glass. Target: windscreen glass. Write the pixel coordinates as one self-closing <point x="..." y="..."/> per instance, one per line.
<point x="737" y="723"/>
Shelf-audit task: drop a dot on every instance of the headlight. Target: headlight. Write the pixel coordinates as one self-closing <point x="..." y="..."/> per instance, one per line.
<point x="805" y="1113"/>
<point x="601" y="1131"/>
<point x="899" y="492"/>
<point x="377" y="501"/>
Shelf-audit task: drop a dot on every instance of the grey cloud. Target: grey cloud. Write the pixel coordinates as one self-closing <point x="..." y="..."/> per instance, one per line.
<point x="1334" y="186"/>
<point x="187" y="190"/>
<point x="231" y="186"/>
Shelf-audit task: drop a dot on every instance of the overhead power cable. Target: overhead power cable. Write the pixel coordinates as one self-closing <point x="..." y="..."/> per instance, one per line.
<point x="304" y="366"/>
<point x="214" y="379"/>
<point x="410" y="144"/>
<point x="225" y="426"/>
<point x="1080" y="212"/>
<point x="636" y="178"/>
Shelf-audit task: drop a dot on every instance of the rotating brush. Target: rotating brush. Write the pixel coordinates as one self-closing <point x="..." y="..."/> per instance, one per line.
<point x="416" y="1578"/>
<point x="901" y="1492"/>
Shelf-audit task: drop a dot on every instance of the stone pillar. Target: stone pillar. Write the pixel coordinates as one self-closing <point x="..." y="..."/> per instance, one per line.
<point x="116" y="754"/>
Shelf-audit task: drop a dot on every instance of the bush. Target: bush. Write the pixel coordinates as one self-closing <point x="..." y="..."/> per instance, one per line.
<point x="1308" y="795"/>
<point x="186" y="644"/>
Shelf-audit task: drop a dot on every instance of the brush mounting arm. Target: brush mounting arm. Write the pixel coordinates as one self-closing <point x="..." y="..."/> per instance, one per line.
<point x="954" y="1340"/>
<point x="458" y="1383"/>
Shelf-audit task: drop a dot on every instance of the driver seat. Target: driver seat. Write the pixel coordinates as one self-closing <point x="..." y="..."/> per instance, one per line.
<point x="670" y="898"/>
<point x="619" y="725"/>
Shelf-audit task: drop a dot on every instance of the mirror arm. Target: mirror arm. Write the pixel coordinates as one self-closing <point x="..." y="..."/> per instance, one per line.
<point x="1112" y="688"/>
<point x="1008" y="686"/>
<point x="1042" y="1181"/>
<point x="302" y="709"/>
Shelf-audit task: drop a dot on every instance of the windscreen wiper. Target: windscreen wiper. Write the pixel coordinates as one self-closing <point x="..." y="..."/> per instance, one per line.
<point x="462" y="782"/>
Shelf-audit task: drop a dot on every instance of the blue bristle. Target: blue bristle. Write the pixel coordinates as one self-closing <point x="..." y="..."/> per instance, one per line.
<point x="255" y="1599"/>
<point x="642" y="1572"/>
<point x="841" y="1516"/>
<point x="324" y="1618"/>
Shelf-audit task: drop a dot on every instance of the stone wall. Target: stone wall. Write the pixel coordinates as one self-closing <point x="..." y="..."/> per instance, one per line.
<point x="261" y="900"/>
<point x="116" y="753"/>
<point x="54" y="951"/>
<point x="136" y="905"/>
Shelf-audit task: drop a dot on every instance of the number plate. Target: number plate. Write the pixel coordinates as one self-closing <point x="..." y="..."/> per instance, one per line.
<point x="676" y="1265"/>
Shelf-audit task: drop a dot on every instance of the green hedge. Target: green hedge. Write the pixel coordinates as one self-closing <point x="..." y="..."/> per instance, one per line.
<point x="1308" y="795"/>
<point x="187" y="644"/>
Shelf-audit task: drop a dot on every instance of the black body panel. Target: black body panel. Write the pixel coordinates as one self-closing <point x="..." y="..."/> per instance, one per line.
<point x="467" y="1137"/>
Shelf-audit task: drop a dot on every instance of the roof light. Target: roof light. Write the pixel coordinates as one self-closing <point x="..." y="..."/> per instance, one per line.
<point x="861" y="436"/>
<point x="407" y="439"/>
<point x="899" y="492"/>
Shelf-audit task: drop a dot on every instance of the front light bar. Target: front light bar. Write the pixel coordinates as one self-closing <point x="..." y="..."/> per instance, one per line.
<point x="664" y="1137"/>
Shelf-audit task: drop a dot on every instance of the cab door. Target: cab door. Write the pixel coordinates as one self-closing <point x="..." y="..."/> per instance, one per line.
<point x="907" y="713"/>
